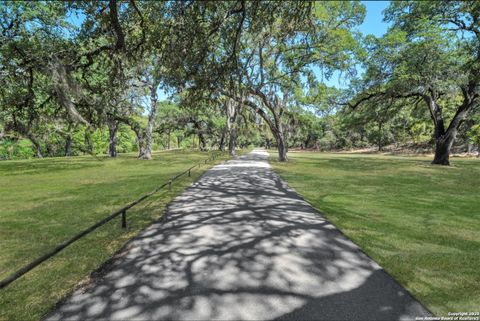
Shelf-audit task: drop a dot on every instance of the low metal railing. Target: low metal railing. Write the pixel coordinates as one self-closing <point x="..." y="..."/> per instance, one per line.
<point x="123" y="212"/>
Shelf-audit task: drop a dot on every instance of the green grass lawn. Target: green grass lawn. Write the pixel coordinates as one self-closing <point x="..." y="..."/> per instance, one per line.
<point x="46" y="201"/>
<point x="420" y="222"/>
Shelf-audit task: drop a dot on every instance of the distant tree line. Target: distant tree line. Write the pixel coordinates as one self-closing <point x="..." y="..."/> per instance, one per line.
<point x="83" y="77"/>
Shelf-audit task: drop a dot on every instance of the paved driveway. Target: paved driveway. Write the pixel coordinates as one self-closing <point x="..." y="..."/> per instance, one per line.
<point x="241" y="245"/>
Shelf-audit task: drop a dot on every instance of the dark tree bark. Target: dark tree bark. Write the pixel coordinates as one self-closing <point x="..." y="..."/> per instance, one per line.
<point x="36" y="145"/>
<point x="443" y="146"/>
<point x="112" y="133"/>
<point x="277" y="128"/>
<point x="88" y="140"/>
<point x="281" y="143"/>
<point x="138" y="133"/>
<point x="275" y="108"/>
<point x="282" y="149"/>
<point x="26" y="132"/>
<point x="68" y="145"/>
<point x="50" y="149"/>
<point x="221" y="145"/>
<point x="141" y="146"/>
<point x="444" y="138"/>
<point x="267" y="143"/>
<point x="201" y="141"/>
<point x="307" y="141"/>
<point x="380" y="137"/>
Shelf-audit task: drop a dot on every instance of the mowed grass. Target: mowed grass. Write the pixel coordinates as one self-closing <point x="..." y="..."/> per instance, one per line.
<point x="419" y="221"/>
<point x="44" y="202"/>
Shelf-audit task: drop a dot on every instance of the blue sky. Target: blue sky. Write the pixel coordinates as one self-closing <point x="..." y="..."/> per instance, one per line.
<point x="372" y="24"/>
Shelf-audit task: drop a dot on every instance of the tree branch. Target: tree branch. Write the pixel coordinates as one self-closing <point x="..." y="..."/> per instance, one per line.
<point x="120" y="45"/>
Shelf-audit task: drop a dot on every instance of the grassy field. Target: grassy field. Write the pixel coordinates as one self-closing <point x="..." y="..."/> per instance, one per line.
<point x="46" y="201"/>
<point x="420" y="222"/>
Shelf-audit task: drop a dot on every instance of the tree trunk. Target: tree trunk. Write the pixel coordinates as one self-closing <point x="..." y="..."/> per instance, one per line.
<point x="231" y="112"/>
<point x="140" y="141"/>
<point x="151" y="122"/>
<point x="36" y="145"/>
<point x="202" y="144"/>
<point x="221" y="146"/>
<point x="88" y="141"/>
<point x="168" y="143"/>
<point x="307" y="141"/>
<point x="50" y="150"/>
<point x="68" y="145"/>
<point x="469" y="147"/>
<point x="443" y="144"/>
<point x="39" y="151"/>
<point x="178" y="141"/>
<point x="141" y="146"/>
<point x="380" y="137"/>
<point x="147" y="154"/>
<point x="444" y="138"/>
<point x="267" y="143"/>
<point x="278" y="133"/>
<point x="112" y="131"/>
<point x="232" y="141"/>
<point x="282" y="147"/>
<point x="139" y="133"/>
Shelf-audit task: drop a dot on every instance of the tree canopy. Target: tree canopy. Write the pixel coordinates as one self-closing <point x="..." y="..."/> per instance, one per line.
<point x="75" y="74"/>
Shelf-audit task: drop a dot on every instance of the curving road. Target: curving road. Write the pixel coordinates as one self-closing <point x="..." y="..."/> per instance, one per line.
<point x="241" y="245"/>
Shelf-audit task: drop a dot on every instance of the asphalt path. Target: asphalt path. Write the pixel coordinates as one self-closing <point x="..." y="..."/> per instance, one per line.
<point x="239" y="244"/>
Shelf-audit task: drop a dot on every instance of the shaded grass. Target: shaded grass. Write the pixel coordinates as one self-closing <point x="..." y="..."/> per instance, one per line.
<point x="421" y="222"/>
<point x="46" y="201"/>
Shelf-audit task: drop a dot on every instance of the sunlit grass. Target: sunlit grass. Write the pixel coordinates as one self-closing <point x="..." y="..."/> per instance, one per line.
<point x="46" y="201"/>
<point x="419" y="221"/>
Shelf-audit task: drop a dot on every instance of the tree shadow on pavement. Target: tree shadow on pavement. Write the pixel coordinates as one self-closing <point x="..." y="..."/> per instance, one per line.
<point x="240" y="245"/>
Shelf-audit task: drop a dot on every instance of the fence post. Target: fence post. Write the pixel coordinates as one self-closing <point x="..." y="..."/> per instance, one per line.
<point x="123" y="212"/>
<point x="124" y="219"/>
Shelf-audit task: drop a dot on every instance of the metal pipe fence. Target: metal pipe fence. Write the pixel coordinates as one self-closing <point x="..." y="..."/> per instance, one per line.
<point x="123" y="212"/>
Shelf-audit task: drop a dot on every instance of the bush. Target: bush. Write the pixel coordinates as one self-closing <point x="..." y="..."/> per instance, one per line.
<point x="16" y="149"/>
<point x="474" y="135"/>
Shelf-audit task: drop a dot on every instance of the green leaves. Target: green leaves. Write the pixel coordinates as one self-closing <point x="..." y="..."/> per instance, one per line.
<point x="419" y="52"/>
